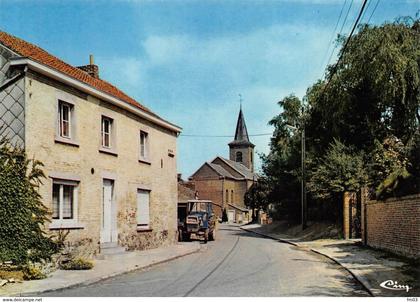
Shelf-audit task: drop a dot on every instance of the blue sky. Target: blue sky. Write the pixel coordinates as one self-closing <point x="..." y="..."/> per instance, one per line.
<point x="188" y="60"/>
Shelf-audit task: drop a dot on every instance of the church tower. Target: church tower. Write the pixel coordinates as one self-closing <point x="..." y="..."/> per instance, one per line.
<point x="241" y="149"/>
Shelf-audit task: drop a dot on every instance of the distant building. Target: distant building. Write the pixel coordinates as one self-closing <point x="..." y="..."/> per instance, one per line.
<point x="110" y="162"/>
<point x="186" y="190"/>
<point x="225" y="181"/>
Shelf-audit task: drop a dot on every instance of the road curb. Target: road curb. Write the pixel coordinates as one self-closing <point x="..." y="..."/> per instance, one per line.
<point x="361" y="280"/>
<point x="271" y="237"/>
<point x="101" y="278"/>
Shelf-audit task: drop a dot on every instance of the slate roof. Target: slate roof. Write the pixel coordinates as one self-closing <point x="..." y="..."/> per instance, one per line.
<point x="220" y="170"/>
<point x="33" y="52"/>
<point x="248" y="174"/>
<point x="241" y="133"/>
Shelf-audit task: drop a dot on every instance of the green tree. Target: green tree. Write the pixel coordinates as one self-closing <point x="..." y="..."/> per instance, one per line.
<point x="256" y="197"/>
<point x="340" y="170"/>
<point x="22" y="213"/>
<point x="373" y="95"/>
<point x="282" y="166"/>
<point x="390" y="164"/>
<point x="224" y="216"/>
<point x="374" y="92"/>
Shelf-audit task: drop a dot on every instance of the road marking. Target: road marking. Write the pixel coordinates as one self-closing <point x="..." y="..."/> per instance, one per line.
<point x="213" y="270"/>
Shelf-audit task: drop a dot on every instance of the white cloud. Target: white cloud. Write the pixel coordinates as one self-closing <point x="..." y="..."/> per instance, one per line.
<point x="131" y="70"/>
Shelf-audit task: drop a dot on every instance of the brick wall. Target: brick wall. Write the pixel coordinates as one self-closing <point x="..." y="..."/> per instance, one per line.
<point x="393" y="225"/>
<point x="211" y="189"/>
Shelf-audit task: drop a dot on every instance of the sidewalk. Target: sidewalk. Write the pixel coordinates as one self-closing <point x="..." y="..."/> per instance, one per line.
<point x="370" y="267"/>
<point x="103" y="269"/>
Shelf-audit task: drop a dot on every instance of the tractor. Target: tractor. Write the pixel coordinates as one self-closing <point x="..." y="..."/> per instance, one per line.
<point x="196" y="217"/>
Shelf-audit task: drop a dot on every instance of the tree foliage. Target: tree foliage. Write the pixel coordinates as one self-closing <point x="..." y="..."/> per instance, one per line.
<point x="22" y="213"/>
<point x="281" y="167"/>
<point x="361" y="122"/>
<point x="224" y="216"/>
<point x="340" y="170"/>
<point x="375" y="91"/>
<point x="257" y="195"/>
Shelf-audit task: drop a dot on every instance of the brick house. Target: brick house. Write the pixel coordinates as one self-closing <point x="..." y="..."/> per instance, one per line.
<point x="110" y="161"/>
<point x="225" y="181"/>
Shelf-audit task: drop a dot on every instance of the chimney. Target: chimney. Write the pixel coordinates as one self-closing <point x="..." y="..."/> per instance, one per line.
<point x="91" y="69"/>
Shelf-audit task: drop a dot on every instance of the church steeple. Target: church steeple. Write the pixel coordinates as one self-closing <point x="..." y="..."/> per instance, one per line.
<point x="241" y="133"/>
<point x="241" y="149"/>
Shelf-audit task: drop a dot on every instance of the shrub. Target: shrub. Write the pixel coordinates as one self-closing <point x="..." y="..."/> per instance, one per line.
<point x="22" y="213"/>
<point x="224" y="216"/>
<point x="33" y="271"/>
<point x="77" y="264"/>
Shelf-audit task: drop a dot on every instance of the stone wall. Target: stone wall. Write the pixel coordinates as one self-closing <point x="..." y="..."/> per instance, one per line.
<point x="90" y="165"/>
<point x="393" y="225"/>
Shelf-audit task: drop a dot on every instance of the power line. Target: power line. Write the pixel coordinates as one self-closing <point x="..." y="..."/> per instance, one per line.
<point x="203" y="135"/>
<point x="374" y="9"/>
<point x="341" y="31"/>
<point x="367" y="8"/>
<point x="347" y="15"/>
<point x="334" y="70"/>
<point x="333" y="33"/>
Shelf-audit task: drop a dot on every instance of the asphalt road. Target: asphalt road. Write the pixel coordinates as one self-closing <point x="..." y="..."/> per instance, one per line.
<point x="238" y="263"/>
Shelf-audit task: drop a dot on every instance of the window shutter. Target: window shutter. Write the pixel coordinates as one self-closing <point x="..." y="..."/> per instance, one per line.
<point x="143" y="200"/>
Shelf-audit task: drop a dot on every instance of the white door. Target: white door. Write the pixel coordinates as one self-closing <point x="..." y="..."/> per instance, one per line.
<point x="231" y="216"/>
<point x="107" y="192"/>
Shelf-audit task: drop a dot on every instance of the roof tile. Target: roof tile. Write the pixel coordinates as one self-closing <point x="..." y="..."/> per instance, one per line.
<point x="38" y="54"/>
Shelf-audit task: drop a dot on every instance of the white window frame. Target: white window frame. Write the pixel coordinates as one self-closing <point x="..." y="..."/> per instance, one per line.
<point x="60" y="221"/>
<point x="110" y="132"/>
<point x="144" y="147"/>
<point x="143" y="221"/>
<point x="61" y="105"/>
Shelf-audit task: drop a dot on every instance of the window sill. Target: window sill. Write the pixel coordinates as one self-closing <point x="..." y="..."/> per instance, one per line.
<point x="145" y="161"/>
<point x="143" y="229"/>
<point x="108" y="151"/>
<point x="59" y="225"/>
<point x="66" y="141"/>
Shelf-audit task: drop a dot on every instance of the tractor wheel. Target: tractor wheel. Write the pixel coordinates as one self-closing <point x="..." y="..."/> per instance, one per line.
<point x="180" y="236"/>
<point x="212" y="235"/>
<point x="206" y="236"/>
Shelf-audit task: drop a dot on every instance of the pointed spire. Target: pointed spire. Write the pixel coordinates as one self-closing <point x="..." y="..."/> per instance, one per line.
<point x="241" y="133"/>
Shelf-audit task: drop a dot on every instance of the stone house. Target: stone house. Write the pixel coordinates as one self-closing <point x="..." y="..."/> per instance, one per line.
<point x="225" y="181"/>
<point x="110" y="162"/>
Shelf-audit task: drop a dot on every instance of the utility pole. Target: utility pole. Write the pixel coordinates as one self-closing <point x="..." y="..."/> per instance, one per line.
<point x="303" y="183"/>
<point x="304" y="208"/>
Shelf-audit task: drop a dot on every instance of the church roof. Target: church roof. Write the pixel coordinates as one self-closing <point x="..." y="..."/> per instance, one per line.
<point x="240" y="168"/>
<point x="220" y="170"/>
<point x="241" y="133"/>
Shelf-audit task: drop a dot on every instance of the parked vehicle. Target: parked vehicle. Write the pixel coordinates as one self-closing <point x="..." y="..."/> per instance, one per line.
<point x="196" y="217"/>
